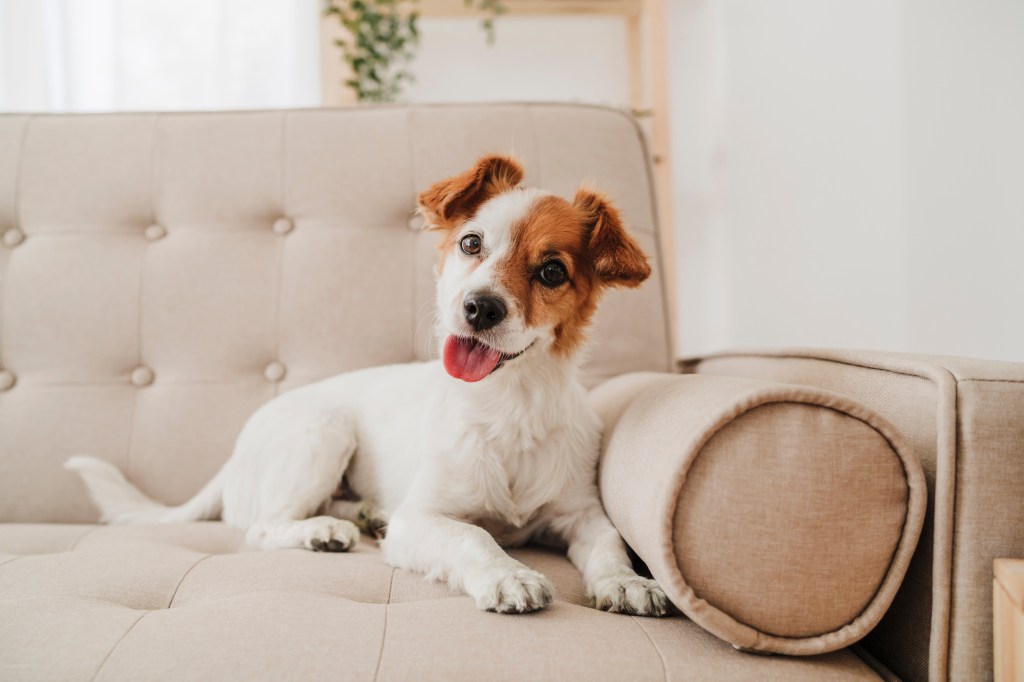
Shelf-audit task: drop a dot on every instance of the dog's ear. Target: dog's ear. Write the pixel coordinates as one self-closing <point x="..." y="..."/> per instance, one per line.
<point x="456" y="199"/>
<point x="618" y="260"/>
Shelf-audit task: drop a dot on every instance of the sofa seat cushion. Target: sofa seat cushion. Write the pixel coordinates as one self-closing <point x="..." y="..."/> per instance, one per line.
<point x="189" y="601"/>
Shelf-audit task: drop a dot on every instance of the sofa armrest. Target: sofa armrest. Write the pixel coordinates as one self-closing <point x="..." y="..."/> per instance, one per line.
<point x="780" y="518"/>
<point x="965" y="420"/>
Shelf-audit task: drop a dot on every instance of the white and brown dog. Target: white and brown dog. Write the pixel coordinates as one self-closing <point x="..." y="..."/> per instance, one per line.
<point x="504" y="453"/>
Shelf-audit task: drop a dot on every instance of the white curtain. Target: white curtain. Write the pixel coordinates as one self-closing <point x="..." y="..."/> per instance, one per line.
<point x="123" y="55"/>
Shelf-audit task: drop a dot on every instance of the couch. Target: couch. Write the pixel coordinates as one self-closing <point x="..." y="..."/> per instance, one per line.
<point x="162" y="275"/>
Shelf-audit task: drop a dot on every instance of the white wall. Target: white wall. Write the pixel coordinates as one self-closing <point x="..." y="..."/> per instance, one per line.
<point x="103" y="55"/>
<point x="556" y="58"/>
<point x="965" y="188"/>
<point x="850" y="174"/>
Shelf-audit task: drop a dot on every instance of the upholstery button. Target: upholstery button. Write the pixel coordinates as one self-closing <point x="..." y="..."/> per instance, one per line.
<point x="155" y="232"/>
<point x="417" y="222"/>
<point x="13" y="237"/>
<point x="275" y="371"/>
<point x="283" y="226"/>
<point x="142" y="376"/>
<point x="7" y="379"/>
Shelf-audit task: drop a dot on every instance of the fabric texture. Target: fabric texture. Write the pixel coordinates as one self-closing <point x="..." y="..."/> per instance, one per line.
<point x="780" y="518"/>
<point x="965" y="420"/>
<point x="162" y="276"/>
<point x="187" y="601"/>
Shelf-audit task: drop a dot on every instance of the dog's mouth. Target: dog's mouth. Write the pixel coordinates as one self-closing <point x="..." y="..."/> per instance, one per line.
<point x="471" y="360"/>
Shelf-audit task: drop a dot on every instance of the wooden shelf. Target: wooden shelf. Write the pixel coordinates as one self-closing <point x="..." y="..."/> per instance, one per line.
<point x="1008" y="619"/>
<point x="457" y="8"/>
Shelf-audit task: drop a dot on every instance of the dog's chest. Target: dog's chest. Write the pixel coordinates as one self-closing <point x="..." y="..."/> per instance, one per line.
<point x="505" y="480"/>
<point x="515" y="450"/>
<point x="505" y="533"/>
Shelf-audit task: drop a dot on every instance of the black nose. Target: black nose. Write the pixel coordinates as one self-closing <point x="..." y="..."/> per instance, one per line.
<point x="484" y="312"/>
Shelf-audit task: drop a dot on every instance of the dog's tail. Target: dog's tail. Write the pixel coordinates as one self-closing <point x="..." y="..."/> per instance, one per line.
<point x="121" y="502"/>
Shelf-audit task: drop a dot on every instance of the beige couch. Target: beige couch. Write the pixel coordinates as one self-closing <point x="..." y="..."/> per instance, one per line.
<point x="164" y="275"/>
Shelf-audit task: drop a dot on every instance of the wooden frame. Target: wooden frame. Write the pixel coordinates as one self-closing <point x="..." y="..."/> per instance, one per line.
<point x="1008" y="620"/>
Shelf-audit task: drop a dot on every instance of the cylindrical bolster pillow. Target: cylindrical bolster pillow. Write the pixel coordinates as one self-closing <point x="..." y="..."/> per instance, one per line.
<point x="780" y="518"/>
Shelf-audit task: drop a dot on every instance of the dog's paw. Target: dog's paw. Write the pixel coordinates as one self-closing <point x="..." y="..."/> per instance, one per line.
<point x="518" y="591"/>
<point x="629" y="593"/>
<point x="372" y="522"/>
<point x="331" y="535"/>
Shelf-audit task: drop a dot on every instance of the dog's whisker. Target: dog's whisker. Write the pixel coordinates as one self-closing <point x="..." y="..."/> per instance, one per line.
<point x="428" y="337"/>
<point x="437" y="333"/>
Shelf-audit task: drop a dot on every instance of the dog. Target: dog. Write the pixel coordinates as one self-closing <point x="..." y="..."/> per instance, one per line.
<point x="491" y="447"/>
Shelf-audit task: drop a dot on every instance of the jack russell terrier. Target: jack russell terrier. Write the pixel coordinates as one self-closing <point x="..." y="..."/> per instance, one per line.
<point x="494" y="446"/>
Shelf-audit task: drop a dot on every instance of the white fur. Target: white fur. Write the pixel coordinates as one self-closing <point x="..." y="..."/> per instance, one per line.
<point x="462" y="275"/>
<point x="457" y="470"/>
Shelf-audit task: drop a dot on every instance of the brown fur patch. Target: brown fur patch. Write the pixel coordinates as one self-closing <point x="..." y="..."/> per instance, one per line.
<point x="588" y="238"/>
<point x="618" y="259"/>
<point x="453" y="201"/>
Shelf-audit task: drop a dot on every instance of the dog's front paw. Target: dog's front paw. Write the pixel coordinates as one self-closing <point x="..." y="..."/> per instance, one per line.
<point x="324" y="534"/>
<point x="518" y="591"/>
<point x="629" y="593"/>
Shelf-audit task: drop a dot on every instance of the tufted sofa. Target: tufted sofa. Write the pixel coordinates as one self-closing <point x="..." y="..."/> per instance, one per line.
<point x="161" y="276"/>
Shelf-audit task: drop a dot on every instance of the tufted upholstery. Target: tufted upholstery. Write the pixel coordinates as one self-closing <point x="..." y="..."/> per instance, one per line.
<point x="164" y="275"/>
<point x="181" y="602"/>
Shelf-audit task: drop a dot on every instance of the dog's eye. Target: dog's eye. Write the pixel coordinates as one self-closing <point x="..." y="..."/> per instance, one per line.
<point x="553" y="274"/>
<point x="471" y="244"/>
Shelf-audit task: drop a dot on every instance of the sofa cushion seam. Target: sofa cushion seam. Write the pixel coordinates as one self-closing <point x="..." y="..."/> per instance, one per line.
<point x="990" y="381"/>
<point x="384" y="632"/>
<point x="185" y="575"/>
<point x="657" y="649"/>
<point x="953" y="526"/>
<point x="81" y="537"/>
<point x="11" y="559"/>
<point x="848" y="363"/>
<point x="696" y="361"/>
<point x="117" y="644"/>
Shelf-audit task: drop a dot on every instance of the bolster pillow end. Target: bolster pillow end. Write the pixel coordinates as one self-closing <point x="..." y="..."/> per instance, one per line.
<point x="780" y="518"/>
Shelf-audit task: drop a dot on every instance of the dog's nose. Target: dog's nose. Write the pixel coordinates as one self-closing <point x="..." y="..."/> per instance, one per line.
<point x="484" y="312"/>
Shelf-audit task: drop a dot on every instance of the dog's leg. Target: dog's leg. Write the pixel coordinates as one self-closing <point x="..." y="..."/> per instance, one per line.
<point x="597" y="550"/>
<point x="320" y="534"/>
<point x="468" y="558"/>
<point x="307" y="463"/>
<point x="365" y="514"/>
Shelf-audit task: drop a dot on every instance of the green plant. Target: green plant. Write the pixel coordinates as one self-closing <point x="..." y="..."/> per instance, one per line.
<point x="492" y="9"/>
<point x="382" y="38"/>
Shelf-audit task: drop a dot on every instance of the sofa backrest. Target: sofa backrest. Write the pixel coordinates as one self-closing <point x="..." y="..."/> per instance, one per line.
<point x="162" y="275"/>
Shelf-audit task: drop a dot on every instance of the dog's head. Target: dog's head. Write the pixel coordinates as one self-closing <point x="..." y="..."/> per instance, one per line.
<point x="521" y="270"/>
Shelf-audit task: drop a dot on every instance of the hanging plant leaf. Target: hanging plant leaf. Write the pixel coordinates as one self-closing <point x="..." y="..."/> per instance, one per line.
<point x="492" y="9"/>
<point x="383" y="36"/>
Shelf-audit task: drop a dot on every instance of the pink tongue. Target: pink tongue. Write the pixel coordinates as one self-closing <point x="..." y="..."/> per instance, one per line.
<point x="468" y="359"/>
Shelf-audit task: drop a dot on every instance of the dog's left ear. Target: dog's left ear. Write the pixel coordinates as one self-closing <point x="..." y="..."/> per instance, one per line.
<point x="618" y="259"/>
<point x="456" y="199"/>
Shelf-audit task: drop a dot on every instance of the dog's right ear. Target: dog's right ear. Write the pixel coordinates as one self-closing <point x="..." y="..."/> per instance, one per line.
<point x="456" y="199"/>
<point x="618" y="259"/>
